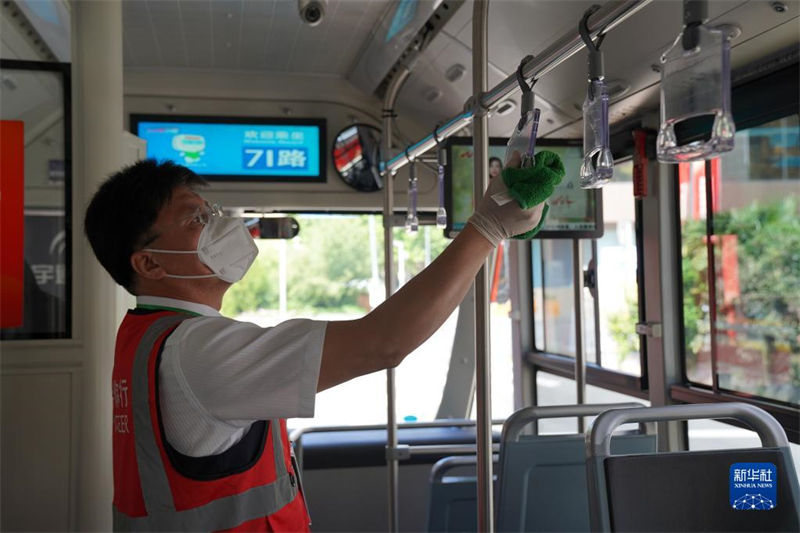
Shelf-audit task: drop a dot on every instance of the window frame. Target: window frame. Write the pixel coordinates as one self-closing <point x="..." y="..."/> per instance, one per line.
<point x="564" y="366"/>
<point x="64" y="71"/>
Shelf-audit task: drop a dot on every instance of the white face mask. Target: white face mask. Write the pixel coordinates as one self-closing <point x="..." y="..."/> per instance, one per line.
<point x="225" y="246"/>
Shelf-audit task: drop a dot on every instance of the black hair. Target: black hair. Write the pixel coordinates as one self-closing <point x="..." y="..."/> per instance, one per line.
<point x="495" y="159"/>
<point x="122" y="212"/>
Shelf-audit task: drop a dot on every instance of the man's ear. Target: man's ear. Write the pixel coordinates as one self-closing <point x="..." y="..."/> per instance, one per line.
<point x="145" y="265"/>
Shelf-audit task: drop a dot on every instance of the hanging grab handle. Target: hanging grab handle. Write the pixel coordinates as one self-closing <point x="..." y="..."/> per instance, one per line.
<point x="441" y="213"/>
<point x="696" y="81"/>
<point x="412" y="222"/>
<point x="597" y="167"/>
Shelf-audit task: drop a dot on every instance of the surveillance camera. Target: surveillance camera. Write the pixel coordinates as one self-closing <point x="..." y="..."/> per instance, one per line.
<point x="311" y="11"/>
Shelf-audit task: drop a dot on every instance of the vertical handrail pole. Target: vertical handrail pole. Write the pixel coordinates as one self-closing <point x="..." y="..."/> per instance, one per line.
<point x="388" y="272"/>
<point x="580" y="351"/>
<point x="480" y="24"/>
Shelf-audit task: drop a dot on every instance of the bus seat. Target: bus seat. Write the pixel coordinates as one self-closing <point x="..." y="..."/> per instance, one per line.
<point x="344" y="472"/>
<point x="542" y="478"/>
<point x="693" y="491"/>
<point x="453" y="498"/>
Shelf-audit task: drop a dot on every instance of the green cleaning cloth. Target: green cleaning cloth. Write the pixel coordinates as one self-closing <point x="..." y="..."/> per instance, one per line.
<point x="533" y="185"/>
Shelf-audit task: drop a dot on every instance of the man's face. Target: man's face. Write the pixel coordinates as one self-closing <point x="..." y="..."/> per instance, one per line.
<point x="178" y="228"/>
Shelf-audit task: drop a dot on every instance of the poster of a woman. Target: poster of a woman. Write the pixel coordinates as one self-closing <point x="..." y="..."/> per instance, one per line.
<point x="495" y="167"/>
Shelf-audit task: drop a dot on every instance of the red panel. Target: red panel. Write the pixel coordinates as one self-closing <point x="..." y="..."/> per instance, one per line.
<point x="731" y="291"/>
<point x="498" y="267"/>
<point x="716" y="186"/>
<point x="12" y="222"/>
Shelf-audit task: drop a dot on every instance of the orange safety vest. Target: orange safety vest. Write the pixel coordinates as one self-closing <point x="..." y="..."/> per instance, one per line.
<point x="253" y="486"/>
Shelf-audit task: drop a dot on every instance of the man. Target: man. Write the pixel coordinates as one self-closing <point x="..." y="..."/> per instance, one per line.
<point x="200" y="400"/>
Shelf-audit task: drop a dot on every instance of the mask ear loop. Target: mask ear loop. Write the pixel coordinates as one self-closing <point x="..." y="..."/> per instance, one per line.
<point x="441" y="213"/>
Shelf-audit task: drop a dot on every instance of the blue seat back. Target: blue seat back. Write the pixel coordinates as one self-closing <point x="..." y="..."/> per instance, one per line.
<point x="454" y="499"/>
<point x="453" y="505"/>
<point x="542" y="481"/>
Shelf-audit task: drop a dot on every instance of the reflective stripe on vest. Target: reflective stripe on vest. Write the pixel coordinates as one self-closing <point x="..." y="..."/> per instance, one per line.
<point x="223" y="513"/>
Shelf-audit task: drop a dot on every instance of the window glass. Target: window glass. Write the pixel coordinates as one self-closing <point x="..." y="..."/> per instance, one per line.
<point x="35" y="231"/>
<point x="558" y="294"/>
<point x="537" y="280"/>
<point x="501" y="339"/>
<point x="612" y="310"/>
<point x="333" y="270"/>
<point x="502" y="369"/>
<point x="556" y="390"/>
<point x="617" y="275"/>
<point x="713" y="435"/>
<point x="694" y="263"/>
<point x="757" y="258"/>
<point x="754" y="238"/>
<point x="590" y="301"/>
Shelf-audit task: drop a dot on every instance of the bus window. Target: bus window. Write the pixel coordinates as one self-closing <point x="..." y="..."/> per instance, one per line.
<point x="616" y="275"/>
<point x="557" y="300"/>
<point x="556" y="390"/>
<point x="740" y="240"/>
<point x="333" y="270"/>
<point x="609" y="335"/>
<point x="36" y="204"/>
<point x="713" y="435"/>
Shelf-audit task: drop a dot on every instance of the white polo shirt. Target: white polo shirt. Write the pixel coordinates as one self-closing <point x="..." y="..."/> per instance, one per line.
<point x="218" y="375"/>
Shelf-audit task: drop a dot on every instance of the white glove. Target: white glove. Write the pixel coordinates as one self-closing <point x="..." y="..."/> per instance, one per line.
<point x="498" y="216"/>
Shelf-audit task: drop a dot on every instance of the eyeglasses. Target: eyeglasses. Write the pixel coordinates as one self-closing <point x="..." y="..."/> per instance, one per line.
<point x="202" y="215"/>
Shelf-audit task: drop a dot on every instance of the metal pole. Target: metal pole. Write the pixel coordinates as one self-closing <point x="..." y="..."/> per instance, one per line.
<point x="388" y="271"/>
<point x="483" y="396"/>
<point x="580" y="355"/>
<point x="598" y="353"/>
<point x="607" y="17"/>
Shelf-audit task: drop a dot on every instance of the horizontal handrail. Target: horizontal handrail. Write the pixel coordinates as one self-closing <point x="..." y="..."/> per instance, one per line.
<point x="448" y="463"/>
<point x="449" y="422"/>
<point x="598" y="441"/>
<point x="296" y="435"/>
<point x="604" y="19"/>
<point x="527" y="415"/>
<point x="405" y="451"/>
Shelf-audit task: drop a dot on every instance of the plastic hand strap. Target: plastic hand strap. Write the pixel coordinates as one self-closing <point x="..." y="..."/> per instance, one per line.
<point x="596" y="66"/>
<point x="412" y="222"/>
<point x="527" y="92"/>
<point x="583" y="29"/>
<point x="534" y="132"/>
<point x="441" y="213"/>
<point x="696" y="83"/>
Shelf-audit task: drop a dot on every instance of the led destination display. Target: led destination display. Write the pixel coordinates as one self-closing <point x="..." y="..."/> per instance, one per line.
<point x="234" y="149"/>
